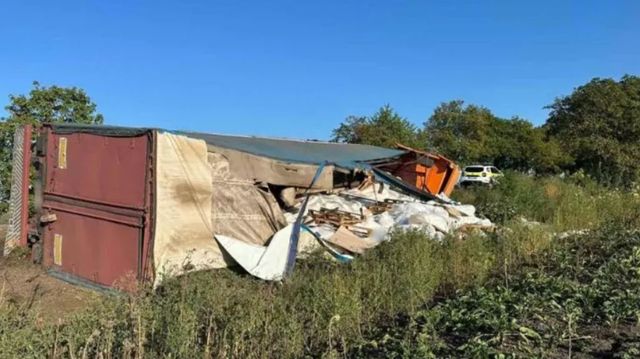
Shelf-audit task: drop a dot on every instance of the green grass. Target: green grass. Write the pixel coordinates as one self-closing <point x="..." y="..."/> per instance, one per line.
<point x="328" y="309"/>
<point x="564" y="204"/>
<point x="580" y="298"/>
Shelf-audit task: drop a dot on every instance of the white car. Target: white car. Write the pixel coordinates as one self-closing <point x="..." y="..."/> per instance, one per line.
<point x="480" y="174"/>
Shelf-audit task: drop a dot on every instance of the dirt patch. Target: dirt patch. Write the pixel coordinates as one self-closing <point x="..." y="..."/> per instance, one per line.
<point x="3" y="232"/>
<point x="28" y="286"/>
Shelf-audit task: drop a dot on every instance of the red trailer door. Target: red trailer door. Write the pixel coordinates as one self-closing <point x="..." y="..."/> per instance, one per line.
<point x="98" y="187"/>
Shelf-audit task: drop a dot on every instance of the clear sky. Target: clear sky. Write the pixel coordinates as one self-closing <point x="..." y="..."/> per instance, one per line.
<point x="298" y="68"/>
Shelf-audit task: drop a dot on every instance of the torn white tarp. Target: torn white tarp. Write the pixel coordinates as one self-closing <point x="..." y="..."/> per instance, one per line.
<point x="196" y="196"/>
<point x="277" y="259"/>
<point x="268" y="263"/>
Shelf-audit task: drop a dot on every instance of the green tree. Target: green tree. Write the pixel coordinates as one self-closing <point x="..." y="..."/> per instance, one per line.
<point x="42" y="105"/>
<point x="518" y="145"/>
<point x="460" y="132"/>
<point x="599" y="124"/>
<point x="472" y="134"/>
<point x="384" y="128"/>
<point x="548" y="154"/>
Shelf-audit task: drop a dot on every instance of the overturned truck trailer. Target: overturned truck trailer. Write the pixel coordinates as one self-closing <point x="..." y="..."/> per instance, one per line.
<point x="114" y="206"/>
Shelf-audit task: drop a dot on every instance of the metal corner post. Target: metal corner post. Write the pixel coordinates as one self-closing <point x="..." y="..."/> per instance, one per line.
<point x="26" y="167"/>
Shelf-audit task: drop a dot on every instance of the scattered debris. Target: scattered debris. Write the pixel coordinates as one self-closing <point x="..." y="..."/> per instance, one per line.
<point x="576" y="233"/>
<point x="359" y="219"/>
<point x="335" y="217"/>
<point x="349" y="221"/>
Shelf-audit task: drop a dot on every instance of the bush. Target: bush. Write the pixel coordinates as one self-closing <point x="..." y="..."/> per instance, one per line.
<point x="574" y="203"/>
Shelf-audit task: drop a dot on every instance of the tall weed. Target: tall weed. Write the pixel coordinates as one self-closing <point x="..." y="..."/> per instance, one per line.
<point x="566" y="204"/>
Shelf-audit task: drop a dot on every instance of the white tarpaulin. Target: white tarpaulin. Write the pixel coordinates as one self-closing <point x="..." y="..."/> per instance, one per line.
<point x="183" y="240"/>
<point x="196" y="196"/>
<point x="268" y="263"/>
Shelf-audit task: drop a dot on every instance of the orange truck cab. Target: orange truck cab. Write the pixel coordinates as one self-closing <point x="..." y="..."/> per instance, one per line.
<point x="429" y="172"/>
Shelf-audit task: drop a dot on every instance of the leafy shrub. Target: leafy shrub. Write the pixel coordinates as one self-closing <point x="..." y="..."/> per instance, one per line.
<point x="498" y="212"/>
<point x="567" y="204"/>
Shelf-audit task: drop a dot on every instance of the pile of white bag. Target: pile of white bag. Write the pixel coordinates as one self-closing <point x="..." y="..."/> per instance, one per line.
<point x="436" y="219"/>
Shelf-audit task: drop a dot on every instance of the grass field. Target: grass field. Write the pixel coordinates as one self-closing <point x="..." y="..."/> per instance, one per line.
<point x="562" y="281"/>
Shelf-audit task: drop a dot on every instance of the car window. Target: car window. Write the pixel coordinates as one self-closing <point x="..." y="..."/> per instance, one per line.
<point x="494" y="170"/>
<point x="474" y="169"/>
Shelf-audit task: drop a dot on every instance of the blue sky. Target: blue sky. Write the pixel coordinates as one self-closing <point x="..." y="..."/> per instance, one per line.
<point x="298" y="68"/>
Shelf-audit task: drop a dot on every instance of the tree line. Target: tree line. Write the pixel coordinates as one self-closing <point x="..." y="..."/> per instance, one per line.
<point x="595" y="129"/>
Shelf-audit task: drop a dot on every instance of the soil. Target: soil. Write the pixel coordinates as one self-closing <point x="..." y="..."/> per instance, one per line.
<point x="28" y="286"/>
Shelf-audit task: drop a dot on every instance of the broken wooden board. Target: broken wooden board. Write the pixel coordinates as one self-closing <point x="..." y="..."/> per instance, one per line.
<point x="380" y="207"/>
<point x="335" y="217"/>
<point x="351" y="242"/>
